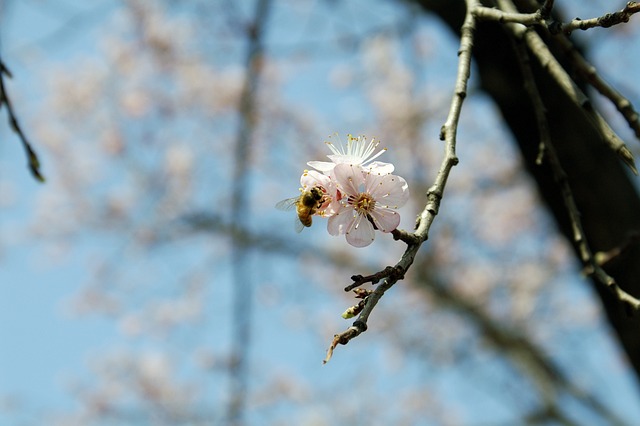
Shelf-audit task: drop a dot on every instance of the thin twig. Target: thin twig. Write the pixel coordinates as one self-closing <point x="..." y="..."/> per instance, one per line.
<point x="605" y="21"/>
<point x="539" y="17"/>
<point x="542" y="17"/>
<point x="491" y="14"/>
<point x="588" y="72"/>
<point x="603" y="258"/>
<point x="32" y="157"/>
<point x="395" y="273"/>
<point x="434" y="194"/>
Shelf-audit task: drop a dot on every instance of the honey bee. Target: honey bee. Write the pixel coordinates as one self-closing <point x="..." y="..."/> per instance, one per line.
<point x="307" y="204"/>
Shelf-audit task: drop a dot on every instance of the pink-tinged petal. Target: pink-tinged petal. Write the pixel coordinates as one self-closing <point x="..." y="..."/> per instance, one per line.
<point x="312" y="178"/>
<point x="341" y="221"/>
<point x="323" y="166"/>
<point x="388" y="191"/>
<point x="386" y="220"/>
<point x="329" y="207"/>
<point x="348" y="178"/>
<point x="362" y="233"/>
<point x="393" y="200"/>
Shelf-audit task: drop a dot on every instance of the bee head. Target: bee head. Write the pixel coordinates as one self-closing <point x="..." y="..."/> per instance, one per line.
<point x="316" y="193"/>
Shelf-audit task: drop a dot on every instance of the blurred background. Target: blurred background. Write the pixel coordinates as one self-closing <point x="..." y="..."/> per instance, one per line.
<point x="151" y="281"/>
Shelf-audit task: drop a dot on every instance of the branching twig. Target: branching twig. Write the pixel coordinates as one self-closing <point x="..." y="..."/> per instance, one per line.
<point x="395" y="273"/>
<point x="524" y="353"/>
<point x="605" y="21"/>
<point x="539" y="17"/>
<point x="587" y="71"/>
<point x="509" y="14"/>
<point x="32" y="157"/>
<point x="603" y="258"/>
<point x="586" y="255"/>
<point x="434" y="195"/>
<point x="542" y="17"/>
<point x="546" y="59"/>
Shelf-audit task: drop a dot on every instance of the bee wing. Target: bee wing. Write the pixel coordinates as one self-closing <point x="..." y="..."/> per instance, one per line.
<point x="287" y="204"/>
<point x="290" y="204"/>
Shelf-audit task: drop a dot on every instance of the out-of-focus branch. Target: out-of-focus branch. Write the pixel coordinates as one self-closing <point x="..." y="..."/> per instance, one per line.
<point x="448" y="133"/>
<point x="589" y="74"/>
<point x="32" y="157"/>
<point x="604" y="258"/>
<point x="529" y="359"/>
<point x="579" y="238"/>
<point x="540" y="50"/>
<point x="541" y="17"/>
<point x="242" y="288"/>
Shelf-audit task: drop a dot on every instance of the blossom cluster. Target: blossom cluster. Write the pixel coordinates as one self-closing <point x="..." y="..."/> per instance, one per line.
<point x="359" y="195"/>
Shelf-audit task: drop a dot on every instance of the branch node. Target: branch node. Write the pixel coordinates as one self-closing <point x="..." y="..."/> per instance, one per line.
<point x="360" y="325"/>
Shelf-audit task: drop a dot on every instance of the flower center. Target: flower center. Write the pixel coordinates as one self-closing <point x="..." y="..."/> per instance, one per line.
<point x="364" y="203"/>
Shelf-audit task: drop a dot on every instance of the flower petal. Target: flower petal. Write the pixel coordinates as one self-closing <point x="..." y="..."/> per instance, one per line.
<point x="344" y="158"/>
<point x="341" y="221"/>
<point x="389" y="190"/>
<point x="311" y="178"/>
<point x="379" y="167"/>
<point x="348" y="178"/>
<point x="386" y="220"/>
<point x="361" y="234"/>
<point x="323" y="166"/>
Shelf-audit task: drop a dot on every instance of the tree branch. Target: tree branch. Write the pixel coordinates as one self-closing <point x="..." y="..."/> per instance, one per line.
<point x="540" y="50"/>
<point x="605" y="21"/>
<point x="529" y="359"/>
<point x="392" y="274"/>
<point x="579" y="238"/>
<point x="532" y="362"/>
<point x="587" y="71"/>
<point x="241" y="270"/>
<point x="589" y="74"/>
<point x="32" y="157"/>
<point x="542" y="17"/>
